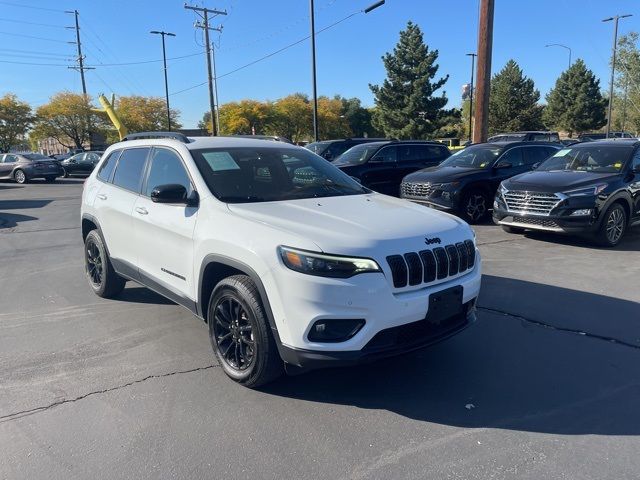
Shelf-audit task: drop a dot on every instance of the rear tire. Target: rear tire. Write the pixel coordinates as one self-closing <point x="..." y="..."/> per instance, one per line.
<point x="240" y="333"/>
<point x="474" y="207"/>
<point x="20" y="177"/>
<point x="613" y="226"/>
<point x="103" y="279"/>
<point x="516" y="230"/>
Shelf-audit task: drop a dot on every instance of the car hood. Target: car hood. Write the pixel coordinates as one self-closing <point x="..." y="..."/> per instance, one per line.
<point x="441" y="174"/>
<point x="557" y="181"/>
<point x="363" y="225"/>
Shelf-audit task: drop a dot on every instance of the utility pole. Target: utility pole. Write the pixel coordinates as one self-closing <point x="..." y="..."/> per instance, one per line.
<point x="613" y="65"/>
<point x="164" y="59"/>
<point x="483" y="71"/>
<point x="313" y="70"/>
<point x="81" y="68"/>
<point x="204" y="14"/>
<point x="473" y="60"/>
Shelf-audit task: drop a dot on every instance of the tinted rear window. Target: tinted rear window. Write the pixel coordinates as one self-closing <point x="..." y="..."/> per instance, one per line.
<point x="106" y="169"/>
<point x="129" y="170"/>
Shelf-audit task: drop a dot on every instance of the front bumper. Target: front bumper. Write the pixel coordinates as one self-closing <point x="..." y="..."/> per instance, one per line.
<point x="298" y="301"/>
<point x="449" y="203"/>
<point x="386" y="343"/>
<point x="560" y="221"/>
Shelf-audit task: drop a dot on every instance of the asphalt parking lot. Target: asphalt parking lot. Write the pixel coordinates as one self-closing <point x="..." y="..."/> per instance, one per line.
<point x="545" y="385"/>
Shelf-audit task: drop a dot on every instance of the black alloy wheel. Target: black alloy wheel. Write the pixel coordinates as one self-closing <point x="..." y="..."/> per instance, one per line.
<point x="233" y="333"/>
<point x="614" y="224"/>
<point x="475" y="206"/>
<point x="94" y="263"/>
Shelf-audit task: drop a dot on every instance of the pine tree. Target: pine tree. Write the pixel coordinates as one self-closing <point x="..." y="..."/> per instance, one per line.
<point x="513" y="104"/>
<point x="406" y="106"/>
<point x="575" y="104"/>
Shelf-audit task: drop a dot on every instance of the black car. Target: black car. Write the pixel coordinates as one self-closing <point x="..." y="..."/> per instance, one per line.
<point x="588" y="188"/>
<point x="467" y="181"/>
<point x="381" y="166"/>
<point x="528" y="136"/>
<point x="332" y="149"/>
<point x="590" y="137"/>
<point x="81" y="163"/>
<point x="22" y="167"/>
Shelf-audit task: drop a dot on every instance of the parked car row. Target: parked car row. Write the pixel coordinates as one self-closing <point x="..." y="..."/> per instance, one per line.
<point x="590" y="187"/>
<point x="27" y="166"/>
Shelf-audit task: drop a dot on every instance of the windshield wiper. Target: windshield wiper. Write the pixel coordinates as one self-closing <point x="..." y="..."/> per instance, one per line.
<point x="242" y="199"/>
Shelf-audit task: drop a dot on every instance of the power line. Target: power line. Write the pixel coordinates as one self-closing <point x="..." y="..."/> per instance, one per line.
<point x="52" y="54"/>
<point x="13" y="20"/>
<point x="31" y="7"/>
<point x="269" y="55"/>
<point x="36" y="57"/>
<point x="142" y="62"/>
<point x="31" y="36"/>
<point x="38" y="64"/>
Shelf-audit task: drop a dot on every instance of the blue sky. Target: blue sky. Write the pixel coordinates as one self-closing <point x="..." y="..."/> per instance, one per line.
<point x="348" y="55"/>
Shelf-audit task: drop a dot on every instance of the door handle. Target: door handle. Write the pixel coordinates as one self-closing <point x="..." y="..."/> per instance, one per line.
<point x="101" y="196"/>
<point x="142" y="210"/>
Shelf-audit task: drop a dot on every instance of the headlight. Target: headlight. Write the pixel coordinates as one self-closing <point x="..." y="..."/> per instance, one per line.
<point x="503" y="189"/>
<point x="446" y="186"/>
<point x="593" y="190"/>
<point x="322" y="265"/>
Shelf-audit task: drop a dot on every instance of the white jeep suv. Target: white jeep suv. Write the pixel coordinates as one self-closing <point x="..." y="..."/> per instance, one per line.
<point x="291" y="262"/>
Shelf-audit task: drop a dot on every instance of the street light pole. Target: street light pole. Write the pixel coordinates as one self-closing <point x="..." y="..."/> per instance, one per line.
<point x="613" y="65"/>
<point x="473" y="61"/>
<point x="370" y="8"/>
<point x="563" y="46"/>
<point x="166" y="82"/>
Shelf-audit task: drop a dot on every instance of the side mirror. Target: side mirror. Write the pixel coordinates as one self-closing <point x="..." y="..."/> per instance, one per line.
<point x="535" y="166"/>
<point x="503" y="165"/>
<point x="375" y="159"/>
<point x="175" y="194"/>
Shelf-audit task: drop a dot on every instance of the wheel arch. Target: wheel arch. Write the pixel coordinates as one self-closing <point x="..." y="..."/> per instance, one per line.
<point x="623" y="199"/>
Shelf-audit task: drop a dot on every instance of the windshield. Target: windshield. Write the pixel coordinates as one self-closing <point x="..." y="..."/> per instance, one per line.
<point x="479" y="156"/>
<point x="598" y="159"/>
<point x="35" y="156"/>
<point x="357" y="154"/>
<point x="245" y="175"/>
<point x="318" y="147"/>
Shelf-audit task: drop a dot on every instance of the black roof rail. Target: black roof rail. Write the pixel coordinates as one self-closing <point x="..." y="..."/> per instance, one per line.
<point x="141" y="135"/>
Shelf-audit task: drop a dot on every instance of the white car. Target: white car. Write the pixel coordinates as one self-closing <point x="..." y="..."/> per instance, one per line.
<point x="291" y="262"/>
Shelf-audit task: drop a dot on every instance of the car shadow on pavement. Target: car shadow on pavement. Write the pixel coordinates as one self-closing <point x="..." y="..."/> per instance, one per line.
<point x="26" y="204"/>
<point x="629" y="243"/>
<point x="10" y="220"/>
<point x="504" y="372"/>
<point x="142" y="295"/>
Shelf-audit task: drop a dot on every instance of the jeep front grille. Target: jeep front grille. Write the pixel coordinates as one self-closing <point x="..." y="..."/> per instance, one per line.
<point x="534" y="203"/>
<point x="415" y="268"/>
<point x="408" y="189"/>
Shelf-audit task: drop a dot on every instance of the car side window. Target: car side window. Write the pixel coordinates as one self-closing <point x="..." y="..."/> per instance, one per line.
<point x="535" y="155"/>
<point x="513" y="156"/>
<point x="166" y="167"/>
<point x="635" y="161"/>
<point x="109" y="164"/>
<point x="10" y="158"/>
<point x="386" y="155"/>
<point x="129" y="170"/>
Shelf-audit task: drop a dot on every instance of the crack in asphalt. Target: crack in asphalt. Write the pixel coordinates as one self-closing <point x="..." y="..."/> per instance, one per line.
<point x="31" y="411"/>
<point x="561" y="329"/>
<point x="12" y="230"/>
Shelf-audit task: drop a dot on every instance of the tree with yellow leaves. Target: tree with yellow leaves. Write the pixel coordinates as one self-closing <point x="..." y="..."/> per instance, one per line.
<point x="15" y="119"/>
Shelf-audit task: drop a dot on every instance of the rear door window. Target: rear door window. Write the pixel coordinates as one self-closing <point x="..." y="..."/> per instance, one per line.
<point x="107" y="167"/>
<point x="514" y="157"/>
<point x="129" y="169"/>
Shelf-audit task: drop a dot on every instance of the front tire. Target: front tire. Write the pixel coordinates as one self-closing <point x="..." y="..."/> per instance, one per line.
<point x="20" y="177"/>
<point x="240" y="333"/>
<point x="103" y="279"/>
<point x="474" y="207"/>
<point x="613" y="226"/>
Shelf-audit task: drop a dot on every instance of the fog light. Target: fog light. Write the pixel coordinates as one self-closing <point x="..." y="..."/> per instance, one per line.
<point x="581" y="213"/>
<point x="334" y="330"/>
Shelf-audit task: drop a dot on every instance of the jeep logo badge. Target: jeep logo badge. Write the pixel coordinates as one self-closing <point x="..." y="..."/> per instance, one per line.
<point x="431" y="241"/>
